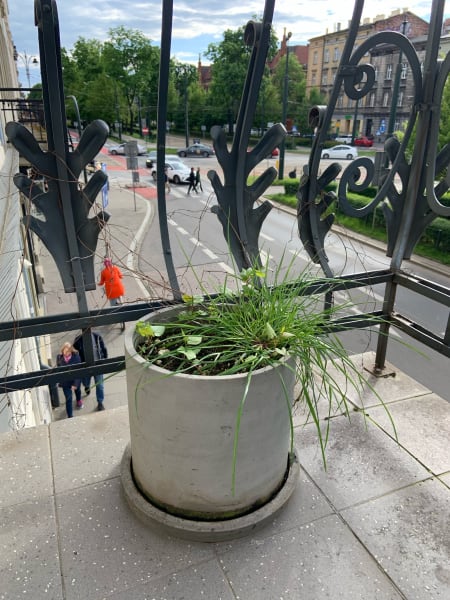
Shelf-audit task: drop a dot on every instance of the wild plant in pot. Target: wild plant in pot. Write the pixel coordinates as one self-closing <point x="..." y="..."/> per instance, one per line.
<point x="211" y="392"/>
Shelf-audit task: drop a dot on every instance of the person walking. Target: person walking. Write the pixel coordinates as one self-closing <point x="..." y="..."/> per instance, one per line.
<point x="100" y="351"/>
<point x="69" y="356"/>
<point x="192" y="181"/>
<point x="198" y="181"/>
<point x="111" y="278"/>
<point x="166" y="180"/>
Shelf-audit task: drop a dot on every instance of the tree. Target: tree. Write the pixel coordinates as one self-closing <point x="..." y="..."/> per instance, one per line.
<point x="314" y="98"/>
<point x="296" y="87"/>
<point x="131" y="60"/>
<point x="230" y="60"/>
<point x="444" y="128"/>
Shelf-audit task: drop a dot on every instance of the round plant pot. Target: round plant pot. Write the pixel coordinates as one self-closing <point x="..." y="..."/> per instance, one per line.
<point x="182" y="430"/>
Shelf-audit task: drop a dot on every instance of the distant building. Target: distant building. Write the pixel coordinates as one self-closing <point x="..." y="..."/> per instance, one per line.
<point x="371" y="115"/>
<point x="300" y="52"/>
<point x="204" y="74"/>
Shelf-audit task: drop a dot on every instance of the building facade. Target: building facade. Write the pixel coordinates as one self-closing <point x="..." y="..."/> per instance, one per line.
<point x="19" y="297"/>
<point x="369" y="116"/>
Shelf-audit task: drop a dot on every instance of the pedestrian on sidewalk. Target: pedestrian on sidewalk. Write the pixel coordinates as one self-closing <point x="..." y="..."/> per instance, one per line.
<point x="100" y="351"/>
<point x="166" y="180"/>
<point x="192" y="181"/>
<point x="69" y="356"/>
<point x="111" y="277"/>
<point x="198" y="181"/>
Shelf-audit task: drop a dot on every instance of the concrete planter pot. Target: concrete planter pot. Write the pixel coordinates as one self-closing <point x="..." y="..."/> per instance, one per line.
<point x="182" y="432"/>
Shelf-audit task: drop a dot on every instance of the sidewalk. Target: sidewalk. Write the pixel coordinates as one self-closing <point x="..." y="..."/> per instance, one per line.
<point x="131" y="214"/>
<point x="374" y="526"/>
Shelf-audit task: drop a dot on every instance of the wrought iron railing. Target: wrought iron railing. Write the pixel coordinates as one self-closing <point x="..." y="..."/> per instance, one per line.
<point x="239" y="212"/>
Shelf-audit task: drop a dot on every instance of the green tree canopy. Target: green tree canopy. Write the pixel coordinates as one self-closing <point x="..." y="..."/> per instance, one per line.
<point x="230" y="59"/>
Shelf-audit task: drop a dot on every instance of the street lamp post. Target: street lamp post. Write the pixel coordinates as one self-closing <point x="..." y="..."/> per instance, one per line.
<point x="285" y="101"/>
<point x="27" y="61"/>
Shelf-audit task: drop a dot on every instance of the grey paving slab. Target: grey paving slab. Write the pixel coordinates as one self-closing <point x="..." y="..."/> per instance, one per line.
<point x="194" y="583"/>
<point x="445" y="478"/>
<point x="423" y="428"/>
<point x="25" y="471"/>
<point x="362" y="461"/>
<point x="394" y="385"/>
<point x="318" y="561"/>
<point x="106" y="550"/>
<point x="89" y="448"/>
<point x="408" y="532"/>
<point x="29" y="562"/>
<point x="306" y="504"/>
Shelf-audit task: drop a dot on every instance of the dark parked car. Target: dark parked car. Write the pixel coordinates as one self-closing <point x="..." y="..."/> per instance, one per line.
<point x="197" y="150"/>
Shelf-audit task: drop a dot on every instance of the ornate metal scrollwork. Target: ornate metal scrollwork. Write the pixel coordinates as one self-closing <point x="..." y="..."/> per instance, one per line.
<point x="418" y="193"/>
<point x="69" y="235"/>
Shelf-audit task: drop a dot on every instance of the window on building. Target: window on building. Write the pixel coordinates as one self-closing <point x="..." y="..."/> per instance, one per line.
<point x="336" y="54"/>
<point x="404" y="71"/>
<point x="326" y="55"/>
<point x="385" y="98"/>
<point x="389" y="71"/>
<point x="333" y="76"/>
<point x="400" y="99"/>
<point x="372" y="99"/>
<point x="313" y="78"/>
<point x="340" y="101"/>
<point x="324" y="78"/>
<point x="315" y="57"/>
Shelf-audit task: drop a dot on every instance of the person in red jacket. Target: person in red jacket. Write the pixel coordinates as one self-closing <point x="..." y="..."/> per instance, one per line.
<point x="111" y="278"/>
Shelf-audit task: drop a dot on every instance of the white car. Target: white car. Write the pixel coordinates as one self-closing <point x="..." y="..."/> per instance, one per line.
<point x="177" y="171"/>
<point x="120" y="149"/>
<point x="341" y="152"/>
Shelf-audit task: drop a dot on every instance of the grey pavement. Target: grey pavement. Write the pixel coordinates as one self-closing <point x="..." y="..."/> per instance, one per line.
<point x="373" y="526"/>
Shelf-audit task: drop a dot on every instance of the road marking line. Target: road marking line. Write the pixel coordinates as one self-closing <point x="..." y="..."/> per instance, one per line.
<point x="210" y="253"/>
<point x="227" y="268"/>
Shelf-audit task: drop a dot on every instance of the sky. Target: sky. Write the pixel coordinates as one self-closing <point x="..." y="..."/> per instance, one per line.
<point x="196" y="23"/>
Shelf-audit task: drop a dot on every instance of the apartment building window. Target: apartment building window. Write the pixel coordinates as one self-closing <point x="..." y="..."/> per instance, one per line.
<point x="326" y="55"/>
<point x="389" y="71"/>
<point x="385" y="98"/>
<point x="400" y="99"/>
<point x="336" y="54"/>
<point x="372" y="99"/>
<point x="324" y="78"/>
<point x="333" y="75"/>
<point x="404" y="71"/>
<point x="340" y="101"/>
<point x="313" y="79"/>
<point x="315" y="57"/>
<point x="376" y="72"/>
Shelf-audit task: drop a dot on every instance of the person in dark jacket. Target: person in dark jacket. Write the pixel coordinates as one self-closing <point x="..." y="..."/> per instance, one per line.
<point x="192" y="182"/>
<point x="69" y="356"/>
<point x="100" y="352"/>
